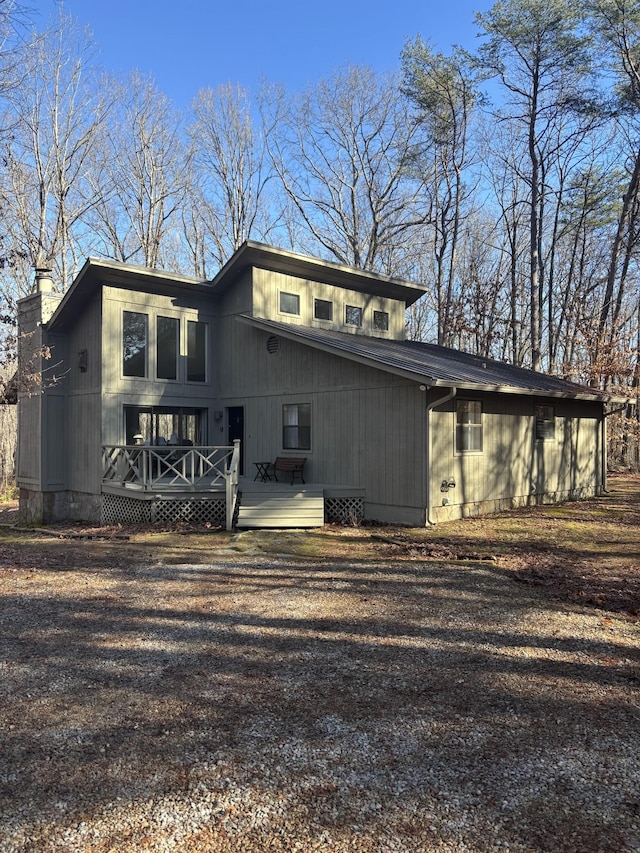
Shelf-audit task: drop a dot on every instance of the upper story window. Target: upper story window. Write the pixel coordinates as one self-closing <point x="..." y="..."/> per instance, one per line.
<point x="545" y="423"/>
<point x="289" y="303"/>
<point x="381" y="321"/>
<point x="196" y="351"/>
<point x="322" y="309"/>
<point x="353" y="315"/>
<point x="296" y="426"/>
<point x="135" y="344"/>
<point x="167" y="347"/>
<point x="468" y="426"/>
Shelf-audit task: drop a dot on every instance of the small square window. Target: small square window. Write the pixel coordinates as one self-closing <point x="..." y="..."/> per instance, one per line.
<point x="468" y="426"/>
<point x="322" y="309"/>
<point x="545" y="423"/>
<point x="353" y="316"/>
<point x="381" y="321"/>
<point x="289" y="303"/>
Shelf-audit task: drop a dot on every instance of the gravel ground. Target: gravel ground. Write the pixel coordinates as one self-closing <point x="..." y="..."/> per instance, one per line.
<point x="293" y="704"/>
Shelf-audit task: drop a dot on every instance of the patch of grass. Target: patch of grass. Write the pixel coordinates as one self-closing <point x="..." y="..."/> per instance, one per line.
<point x="584" y="552"/>
<point x="9" y="493"/>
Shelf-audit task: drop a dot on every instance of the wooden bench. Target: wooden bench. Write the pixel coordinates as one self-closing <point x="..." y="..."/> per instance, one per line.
<point x="293" y="465"/>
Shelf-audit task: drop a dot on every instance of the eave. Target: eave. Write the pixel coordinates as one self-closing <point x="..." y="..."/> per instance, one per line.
<point x="381" y="354"/>
<point x="252" y="254"/>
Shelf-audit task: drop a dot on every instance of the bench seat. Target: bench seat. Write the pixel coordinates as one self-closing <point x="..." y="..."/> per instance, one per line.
<point x="289" y="465"/>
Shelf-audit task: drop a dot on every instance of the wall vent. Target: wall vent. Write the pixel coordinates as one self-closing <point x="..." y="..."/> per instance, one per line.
<point x="273" y="344"/>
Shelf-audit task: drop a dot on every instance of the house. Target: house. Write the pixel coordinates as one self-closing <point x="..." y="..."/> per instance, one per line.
<point x="174" y="394"/>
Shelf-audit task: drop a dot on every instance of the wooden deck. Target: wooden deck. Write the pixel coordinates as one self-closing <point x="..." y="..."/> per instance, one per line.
<point x="260" y="505"/>
<point x="283" y="505"/>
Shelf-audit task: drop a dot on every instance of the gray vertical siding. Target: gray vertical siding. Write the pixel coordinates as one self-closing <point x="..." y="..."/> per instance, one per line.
<point x="266" y="303"/>
<point x="367" y="425"/>
<point x="513" y="465"/>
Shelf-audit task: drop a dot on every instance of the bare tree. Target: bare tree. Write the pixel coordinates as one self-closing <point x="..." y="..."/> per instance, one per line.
<point x="145" y="163"/>
<point x="342" y="151"/>
<point x="14" y="43"/>
<point x="444" y="95"/>
<point x="231" y="170"/>
<point x="55" y="115"/>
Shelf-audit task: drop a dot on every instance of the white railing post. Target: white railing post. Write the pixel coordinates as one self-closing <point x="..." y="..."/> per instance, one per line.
<point x="231" y="475"/>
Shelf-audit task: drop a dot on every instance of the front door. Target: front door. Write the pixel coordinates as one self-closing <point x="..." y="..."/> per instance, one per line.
<point x="235" y="429"/>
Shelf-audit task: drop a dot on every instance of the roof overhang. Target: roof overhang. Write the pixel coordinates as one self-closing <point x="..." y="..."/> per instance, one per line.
<point x="252" y="254"/>
<point x="352" y="348"/>
<point x="97" y="272"/>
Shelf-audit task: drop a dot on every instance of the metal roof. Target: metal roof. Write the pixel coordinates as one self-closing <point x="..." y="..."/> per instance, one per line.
<point x="430" y="364"/>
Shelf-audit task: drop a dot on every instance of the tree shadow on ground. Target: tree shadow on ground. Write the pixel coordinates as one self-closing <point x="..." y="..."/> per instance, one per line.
<point x="371" y="696"/>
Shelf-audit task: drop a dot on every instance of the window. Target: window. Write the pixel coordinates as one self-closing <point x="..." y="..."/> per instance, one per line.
<point x="468" y="426"/>
<point x="289" y="303"/>
<point x="167" y="347"/>
<point x="322" y="309"/>
<point x="296" y="426"/>
<point x="381" y="321"/>
<point x="135" y="336"/>
<point x="196" y="351"/>
<point x="545" y="423"/>
<point x="159" y="425"/>
<point x="353" y="316"/>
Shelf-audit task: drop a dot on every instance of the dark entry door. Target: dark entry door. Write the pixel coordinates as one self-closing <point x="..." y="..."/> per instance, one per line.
<point x="235" y="429"/>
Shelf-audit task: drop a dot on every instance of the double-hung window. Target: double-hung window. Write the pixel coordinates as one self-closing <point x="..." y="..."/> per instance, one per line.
<point x="468" y="426"/>
<point x="545" y="423"/>
<point x="296" y="426"/>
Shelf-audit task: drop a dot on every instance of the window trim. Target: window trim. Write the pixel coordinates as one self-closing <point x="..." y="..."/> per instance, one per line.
<point x="328" y="302"/>
<point x="297" y="426"/>
<point x="382" y="314"/>
<point x="147" y="346"/>
<point x="205" y="326"/>
<point x="175" y="320"/>
<point x="360" y="311"/>
<point x="543" y="424"/>
<point x="469" y="428"/>
<point x="282" y="310"/>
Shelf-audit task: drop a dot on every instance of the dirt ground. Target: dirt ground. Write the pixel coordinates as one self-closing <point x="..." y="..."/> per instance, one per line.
<point x="474" y="687"/>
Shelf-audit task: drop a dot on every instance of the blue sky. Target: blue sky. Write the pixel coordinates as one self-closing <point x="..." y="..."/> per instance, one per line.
<point x="189" y="44"/>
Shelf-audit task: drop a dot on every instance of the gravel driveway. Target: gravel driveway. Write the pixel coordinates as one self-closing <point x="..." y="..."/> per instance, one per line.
<point x="256" y="704"/>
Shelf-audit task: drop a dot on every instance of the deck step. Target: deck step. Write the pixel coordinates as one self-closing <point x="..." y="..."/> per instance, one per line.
<point x="303" y="508"/>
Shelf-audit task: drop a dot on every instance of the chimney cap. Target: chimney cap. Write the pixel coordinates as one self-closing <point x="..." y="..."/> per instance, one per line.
<point x="44" y="282"/>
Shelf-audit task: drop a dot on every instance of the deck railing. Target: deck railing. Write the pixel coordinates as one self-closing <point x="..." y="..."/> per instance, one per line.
<point x="174" y="469"/>
<point x="167" y="467"/>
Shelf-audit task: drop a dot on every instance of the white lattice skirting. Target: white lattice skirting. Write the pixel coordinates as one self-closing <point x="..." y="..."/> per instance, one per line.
<point x="346" y="510"/>
<point x="117" y="509"/>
